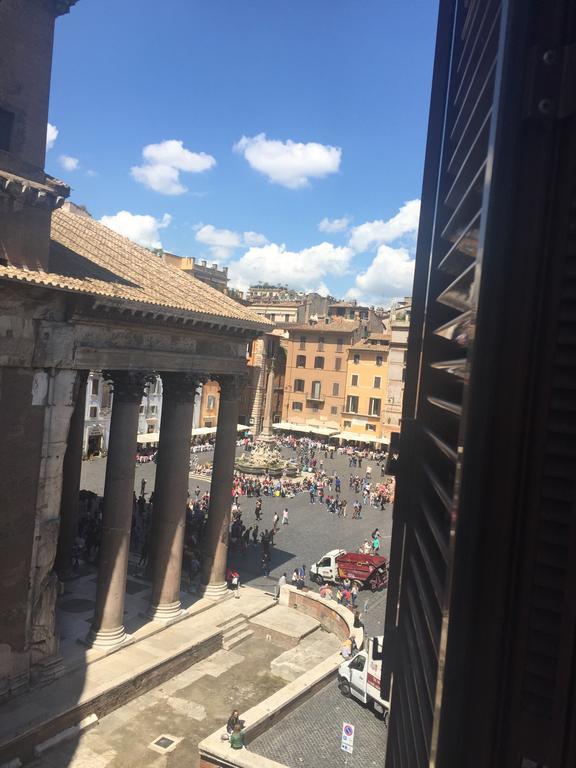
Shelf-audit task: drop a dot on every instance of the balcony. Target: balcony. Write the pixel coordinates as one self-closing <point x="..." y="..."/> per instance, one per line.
<point x="319" y="399"/>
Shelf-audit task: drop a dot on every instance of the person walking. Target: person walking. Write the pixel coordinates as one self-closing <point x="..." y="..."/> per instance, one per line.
<point x="258" y="510"/>
<point x="266" y="563"/>
<point x="285" y="516"/>
<point x="354" y="594"/>
<point x="275" y="521"/>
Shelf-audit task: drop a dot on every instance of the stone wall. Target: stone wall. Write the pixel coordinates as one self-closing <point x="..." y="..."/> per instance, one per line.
<point x="35" y="411"/>
<point x="323" y="610"/>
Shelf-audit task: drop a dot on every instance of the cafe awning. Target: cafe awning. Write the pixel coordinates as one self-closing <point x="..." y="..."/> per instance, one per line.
<point x="148" y="437"/>
<point x="308" y="429"/>
<point x="355" y="436"/>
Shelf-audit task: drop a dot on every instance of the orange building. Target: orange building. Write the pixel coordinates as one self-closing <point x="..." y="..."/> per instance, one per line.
<point x="315" y="383"/>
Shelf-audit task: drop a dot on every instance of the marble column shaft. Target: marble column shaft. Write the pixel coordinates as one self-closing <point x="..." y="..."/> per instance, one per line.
<point x="171" y="493"/>
<point x="108" y="626"/>
<point x="71" y="471"/>
<point x="267" y="432"/>
<point x="218" y="526"/>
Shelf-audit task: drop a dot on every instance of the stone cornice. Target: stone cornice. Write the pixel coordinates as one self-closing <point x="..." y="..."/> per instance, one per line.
<point x="63" y="6"/>
<point x="18" y="192"/>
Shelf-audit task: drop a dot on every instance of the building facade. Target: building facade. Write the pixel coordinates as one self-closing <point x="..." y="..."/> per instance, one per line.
<point x="398" y="322"/>
<point x="77" y="297"/>
<point x="316" y="360"/>
<point x="366" y="388"/>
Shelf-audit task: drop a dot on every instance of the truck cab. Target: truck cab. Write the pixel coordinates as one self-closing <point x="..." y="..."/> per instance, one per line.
<point x="326" y="569"/>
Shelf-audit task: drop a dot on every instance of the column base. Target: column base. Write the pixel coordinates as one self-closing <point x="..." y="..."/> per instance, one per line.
<point x="106" y="638"/>
<point x="216" y="591"/>
<point x="166" y="611"/>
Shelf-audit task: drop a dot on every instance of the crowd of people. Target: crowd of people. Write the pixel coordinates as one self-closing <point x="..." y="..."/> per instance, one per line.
<point x="324" y="489"/>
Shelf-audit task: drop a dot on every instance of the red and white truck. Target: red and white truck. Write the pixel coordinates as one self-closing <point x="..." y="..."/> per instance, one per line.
<point x="359" y="677"/>
<point x="364" y="570"/>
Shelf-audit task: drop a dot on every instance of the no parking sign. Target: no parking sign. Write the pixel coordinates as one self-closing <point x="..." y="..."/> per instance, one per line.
<point x="347" y="738"/>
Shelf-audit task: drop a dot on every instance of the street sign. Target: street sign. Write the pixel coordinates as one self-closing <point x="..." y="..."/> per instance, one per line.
<point x="347" y="738"/>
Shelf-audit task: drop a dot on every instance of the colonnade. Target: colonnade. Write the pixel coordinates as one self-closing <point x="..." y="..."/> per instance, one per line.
<point x="170" y="497"/>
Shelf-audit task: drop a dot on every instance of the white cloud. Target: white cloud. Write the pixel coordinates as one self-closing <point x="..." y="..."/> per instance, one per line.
<point x="163" y="164"/>
<point x="289" y="163"/>
<point x="389" y="276"/>
<point x="405" y="222"/>
<point x="223" y="242"/>
<point x="209" y="235"/>
<point x="69" y="163"/>
<point x="254" y="238"/>
<point x="51" y="136"/>
<point x="303" y="270"/>
<point x="334" y="225"/>
<point x="142" y="229"/>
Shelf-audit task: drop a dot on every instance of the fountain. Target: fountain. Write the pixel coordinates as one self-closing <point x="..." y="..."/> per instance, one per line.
<point x="266" y="458"/>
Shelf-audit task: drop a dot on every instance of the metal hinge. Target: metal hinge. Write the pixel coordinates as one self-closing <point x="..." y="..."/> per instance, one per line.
<point x="551" y="83"/>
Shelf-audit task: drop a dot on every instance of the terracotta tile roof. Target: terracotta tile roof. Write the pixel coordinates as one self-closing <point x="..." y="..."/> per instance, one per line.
<point x="367" y="343"/>
<point x="338" y="324"/>
<point x="87" y="257"/>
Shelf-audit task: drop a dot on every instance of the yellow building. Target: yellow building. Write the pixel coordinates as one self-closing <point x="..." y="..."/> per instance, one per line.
<point x="366" y="388"/>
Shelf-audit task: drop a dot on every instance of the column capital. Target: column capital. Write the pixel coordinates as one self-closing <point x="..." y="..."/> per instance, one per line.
<point x="129" y="386"/>
<point x="182" y="387"/>
<point x="230" y="385"/>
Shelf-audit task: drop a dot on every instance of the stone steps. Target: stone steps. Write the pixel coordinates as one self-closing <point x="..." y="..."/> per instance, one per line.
<point x="235" y="631"/>
<point x="237" y="639"/>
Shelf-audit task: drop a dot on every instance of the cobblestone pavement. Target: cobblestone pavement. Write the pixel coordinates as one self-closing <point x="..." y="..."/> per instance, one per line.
<point x="311" y="530"/>
<point x="310" y="736"/>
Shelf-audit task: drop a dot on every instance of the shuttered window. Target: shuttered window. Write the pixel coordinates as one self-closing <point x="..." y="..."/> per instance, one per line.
<point x="490" y="401"/>
<point x="439" y="392"/>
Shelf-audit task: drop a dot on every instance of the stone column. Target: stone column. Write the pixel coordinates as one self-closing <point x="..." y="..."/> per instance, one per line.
<point x="218" y="527"/>
<point x="108" y="626"/>
<point x="170" y="493"/>
<point x="71" y="471"/>
<point x="267" y="435"/>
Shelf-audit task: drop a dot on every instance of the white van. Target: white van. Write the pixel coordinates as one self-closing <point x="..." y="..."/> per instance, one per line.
<point x="360" y="677"/>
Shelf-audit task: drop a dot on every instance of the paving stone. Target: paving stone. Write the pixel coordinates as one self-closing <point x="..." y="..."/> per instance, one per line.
<point x="308" y="654"/>
<point x="310" y="736"/>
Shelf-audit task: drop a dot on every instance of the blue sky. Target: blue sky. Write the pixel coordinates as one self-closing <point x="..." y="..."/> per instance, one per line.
<point x="231" y="129"/>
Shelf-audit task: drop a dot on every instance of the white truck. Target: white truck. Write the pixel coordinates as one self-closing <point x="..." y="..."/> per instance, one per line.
<point x="359" y="677"/>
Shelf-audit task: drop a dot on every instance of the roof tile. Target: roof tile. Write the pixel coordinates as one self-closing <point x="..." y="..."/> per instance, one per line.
<point x="87" y="257"/>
